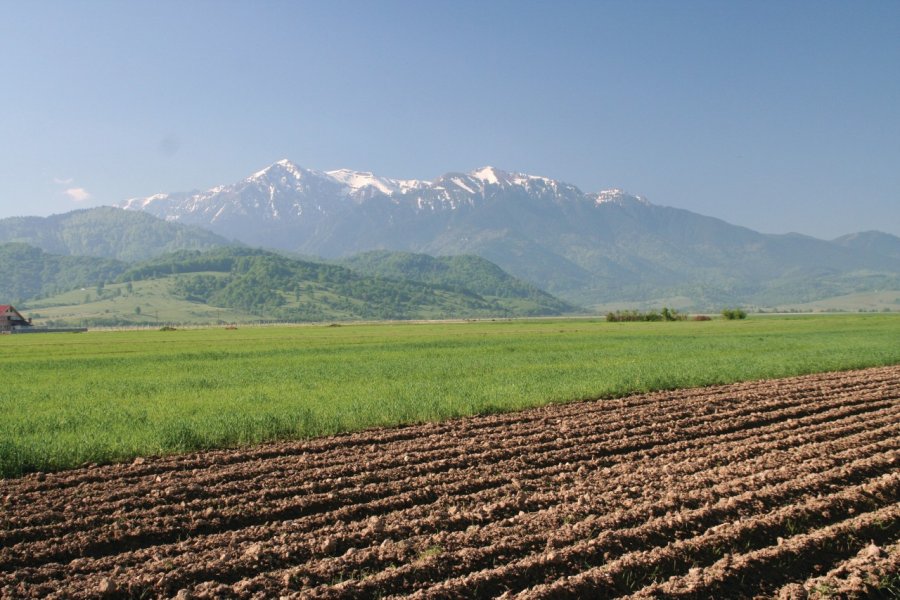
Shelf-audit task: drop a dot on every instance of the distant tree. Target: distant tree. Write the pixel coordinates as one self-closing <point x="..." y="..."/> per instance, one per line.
<point x="666" y="314"/>
<point x="137" y="310"/>
<point x="734" y="313"/>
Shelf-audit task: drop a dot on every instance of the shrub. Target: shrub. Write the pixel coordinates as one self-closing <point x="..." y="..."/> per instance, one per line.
<point x="734" y="313"/>
<point x="667" y="314"/>
<point x="701" y="318"/>
<point x="670" y="314"/>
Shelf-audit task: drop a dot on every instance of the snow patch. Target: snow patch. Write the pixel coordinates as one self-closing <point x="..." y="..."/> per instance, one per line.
<point x="486" y="174"/>
<point x="463" y="185"/>
<point x="358" y="180"/>
<point x="405" y="185"/>
<point x="618" y="196"/>
<point x="282" y="165"/>
<point x="609" y="195"/>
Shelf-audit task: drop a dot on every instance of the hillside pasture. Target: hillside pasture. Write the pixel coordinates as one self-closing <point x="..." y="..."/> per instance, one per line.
<point x="118" y="304"/>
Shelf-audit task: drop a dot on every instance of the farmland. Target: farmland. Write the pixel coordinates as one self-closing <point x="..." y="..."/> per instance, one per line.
<point x="111" y="396"/>
<point x="784" y="487"/>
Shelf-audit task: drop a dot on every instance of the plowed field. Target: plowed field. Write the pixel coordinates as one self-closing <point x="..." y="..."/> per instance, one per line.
<point x="762" y="488"/>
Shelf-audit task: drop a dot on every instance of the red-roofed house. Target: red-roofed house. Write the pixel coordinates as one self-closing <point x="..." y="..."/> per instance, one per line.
<point x="10" y="317"/>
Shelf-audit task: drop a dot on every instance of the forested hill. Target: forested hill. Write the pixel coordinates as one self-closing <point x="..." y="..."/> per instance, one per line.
<point x="28" y="272"/>
<point x="461" y="272"/>
<point x="278" y="287"/>
<point x="107" y="232"/>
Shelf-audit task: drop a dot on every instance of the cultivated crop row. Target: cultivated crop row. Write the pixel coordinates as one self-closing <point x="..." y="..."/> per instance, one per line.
<point x="685" y="493"/>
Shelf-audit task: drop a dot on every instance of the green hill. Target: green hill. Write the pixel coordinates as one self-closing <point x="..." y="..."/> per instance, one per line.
<point x="266" y="283"/>
<point x="27" y="272"/>
<point x="240" y="284"/>
<point x="877" y="242"/>
<point x="461" y="273"/>
<point x="108" y="233"/>
<point x="149" y="302"/>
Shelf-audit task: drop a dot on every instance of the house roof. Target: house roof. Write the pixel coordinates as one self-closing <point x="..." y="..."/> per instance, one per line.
<point x="8" y="309"/>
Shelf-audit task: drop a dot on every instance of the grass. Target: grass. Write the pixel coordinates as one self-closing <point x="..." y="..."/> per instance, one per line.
<point x="430" y="552"/>
<point x="154" y="297"/>
<point x="863" y="301"/>
<point x="153" y="302"/>
<point x="70" y="399"/>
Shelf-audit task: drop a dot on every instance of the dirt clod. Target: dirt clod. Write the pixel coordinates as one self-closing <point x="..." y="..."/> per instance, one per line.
<point x="107" y="588"/>
<point x="703" y="493"/>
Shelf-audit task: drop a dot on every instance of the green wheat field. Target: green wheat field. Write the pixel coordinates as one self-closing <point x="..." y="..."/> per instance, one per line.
<point x="97" y="397"/>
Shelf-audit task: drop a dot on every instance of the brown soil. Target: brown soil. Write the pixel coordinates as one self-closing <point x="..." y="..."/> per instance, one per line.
<point x="773" y="488"/>
<point x="874" y="572"/>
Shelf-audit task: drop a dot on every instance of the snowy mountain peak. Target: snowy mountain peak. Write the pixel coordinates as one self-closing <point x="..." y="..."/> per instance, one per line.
<point x="360" y="180"/>
<point x="488" y="175"/>
<point x="493" y="175"/>
<point x="282" y="167"/>
<point x="143" y="203"/>
<point x="289" y="195"/>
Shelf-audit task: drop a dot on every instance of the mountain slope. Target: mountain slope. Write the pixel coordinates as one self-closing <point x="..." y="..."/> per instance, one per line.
<point x="463" y="272"/>
<point x="106" y="232"/>
<point x="27" y="272"/>
<point x="584" y="247"/>
<point x="276" y="287"/>
<point x="877" y="242"/>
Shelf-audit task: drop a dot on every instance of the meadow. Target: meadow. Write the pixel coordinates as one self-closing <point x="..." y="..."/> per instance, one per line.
<point x="96" y="397"/>
<point x="139" y="303"/>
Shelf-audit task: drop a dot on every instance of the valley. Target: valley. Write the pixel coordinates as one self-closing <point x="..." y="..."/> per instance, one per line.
<point x="587" y="248"/>
<point x="590" y="251"/>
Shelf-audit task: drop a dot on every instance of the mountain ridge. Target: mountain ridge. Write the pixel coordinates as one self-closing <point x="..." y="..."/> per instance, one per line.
<point x="107" y="232"/>
<point x="258" y="284"/>
<point x="585" y="247"/>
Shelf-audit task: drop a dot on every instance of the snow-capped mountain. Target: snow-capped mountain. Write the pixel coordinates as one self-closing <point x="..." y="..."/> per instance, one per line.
<point x="584" y="247"/>
<point x="280" y="191"/>
<point x="284" y="191"/>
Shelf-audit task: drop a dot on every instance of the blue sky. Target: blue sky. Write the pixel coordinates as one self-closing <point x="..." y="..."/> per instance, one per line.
<point x="780" y="116"/>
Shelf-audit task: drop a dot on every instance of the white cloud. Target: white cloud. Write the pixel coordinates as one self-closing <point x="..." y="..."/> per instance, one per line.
<point x="78" y="194"/>
<point x="63" y="180"/>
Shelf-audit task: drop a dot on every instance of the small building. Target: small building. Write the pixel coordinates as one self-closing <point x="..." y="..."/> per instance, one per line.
<point x="11" y="319"/>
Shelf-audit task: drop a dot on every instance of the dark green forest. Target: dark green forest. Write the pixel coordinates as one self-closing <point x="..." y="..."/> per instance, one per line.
<point x="274" y="287"/>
